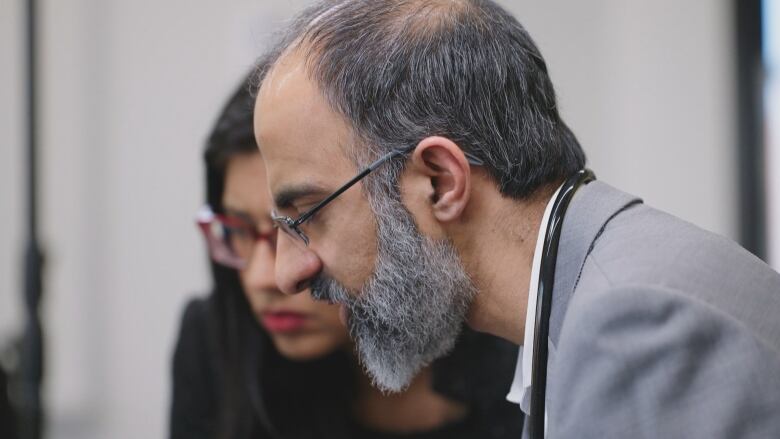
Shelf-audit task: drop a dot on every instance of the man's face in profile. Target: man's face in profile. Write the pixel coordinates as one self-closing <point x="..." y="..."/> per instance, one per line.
<point x="405" y="295"/>
<point x="303" y="143"/>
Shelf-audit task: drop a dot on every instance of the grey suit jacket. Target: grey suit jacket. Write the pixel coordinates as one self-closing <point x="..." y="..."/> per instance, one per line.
<point x="659" y="329"/>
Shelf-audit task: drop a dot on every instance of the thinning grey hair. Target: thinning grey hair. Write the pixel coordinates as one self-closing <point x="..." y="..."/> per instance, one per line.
<point x="403" y="70"/>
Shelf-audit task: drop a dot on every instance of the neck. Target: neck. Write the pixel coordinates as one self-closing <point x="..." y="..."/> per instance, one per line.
<point x="418" y="408"/>
<point x="499" y="260"/>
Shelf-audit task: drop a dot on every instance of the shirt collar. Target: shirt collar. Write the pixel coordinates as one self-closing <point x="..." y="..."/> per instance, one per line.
<point x="519" y="391"/>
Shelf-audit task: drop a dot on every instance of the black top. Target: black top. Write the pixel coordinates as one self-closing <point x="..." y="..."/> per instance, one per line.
<point x="466" y="428"/>
<point x="195" y="402"/>
<point x="477" y="373"/>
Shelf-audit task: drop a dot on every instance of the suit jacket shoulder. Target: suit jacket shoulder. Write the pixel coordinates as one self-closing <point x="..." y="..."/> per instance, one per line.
<point x="663" y="330"/>
<point x="648" y="247"/>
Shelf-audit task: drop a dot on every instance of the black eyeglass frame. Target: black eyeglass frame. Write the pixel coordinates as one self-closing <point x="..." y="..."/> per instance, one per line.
<point x="293" y="226"/>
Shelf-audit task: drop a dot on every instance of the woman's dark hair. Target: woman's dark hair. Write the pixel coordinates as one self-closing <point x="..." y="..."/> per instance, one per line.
<point x="262" y="393"/>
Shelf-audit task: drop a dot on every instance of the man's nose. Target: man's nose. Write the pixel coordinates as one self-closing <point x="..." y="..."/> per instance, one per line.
<point x="295" y="266"/>
<point x="259" y="272"/>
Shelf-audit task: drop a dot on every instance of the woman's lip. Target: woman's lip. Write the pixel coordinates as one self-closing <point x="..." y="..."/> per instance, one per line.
<point x="283" y="321"/>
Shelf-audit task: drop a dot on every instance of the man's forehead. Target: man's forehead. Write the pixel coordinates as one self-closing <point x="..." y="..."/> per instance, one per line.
<point x="288" y="67"/>
<point x="301" y="138"/>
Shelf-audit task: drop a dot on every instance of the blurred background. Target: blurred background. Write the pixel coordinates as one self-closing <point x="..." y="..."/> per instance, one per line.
<point x="677" y="101"/>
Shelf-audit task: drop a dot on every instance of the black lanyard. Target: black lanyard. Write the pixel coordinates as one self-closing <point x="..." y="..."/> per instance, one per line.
<point x="544" y="299"/>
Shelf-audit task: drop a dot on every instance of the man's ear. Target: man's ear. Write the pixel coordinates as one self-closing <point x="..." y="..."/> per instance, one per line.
<point x="444" y="163"/>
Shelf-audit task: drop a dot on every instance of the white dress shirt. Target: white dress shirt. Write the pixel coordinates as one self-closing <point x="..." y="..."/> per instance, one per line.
<point x="520" y="392"/>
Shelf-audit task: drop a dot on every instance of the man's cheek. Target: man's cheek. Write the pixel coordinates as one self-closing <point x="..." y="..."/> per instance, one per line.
<point x="353" y="266"/>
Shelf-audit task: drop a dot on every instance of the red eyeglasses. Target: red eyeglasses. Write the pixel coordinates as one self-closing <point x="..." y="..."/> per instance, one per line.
<point x="231" y="239"/>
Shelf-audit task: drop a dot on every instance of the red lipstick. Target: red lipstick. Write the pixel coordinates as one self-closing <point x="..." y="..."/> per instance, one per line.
<point x="283" y="321"/>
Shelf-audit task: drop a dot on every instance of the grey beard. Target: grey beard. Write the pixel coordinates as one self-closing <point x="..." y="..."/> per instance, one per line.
<point x="412" y="308"/>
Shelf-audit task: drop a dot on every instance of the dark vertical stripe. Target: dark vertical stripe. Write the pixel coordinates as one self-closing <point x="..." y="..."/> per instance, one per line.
<point x="30" y="374"/>
<point x="750" y="147"/>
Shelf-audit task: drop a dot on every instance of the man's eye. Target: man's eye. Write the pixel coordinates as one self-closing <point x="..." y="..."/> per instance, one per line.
<point x="297" y="210"/>
<point x="313" y="218"/>
<point x="304" y="207"/>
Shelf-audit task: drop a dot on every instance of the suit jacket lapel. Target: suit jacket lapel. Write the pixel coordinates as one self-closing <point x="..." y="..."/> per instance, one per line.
<point x="589" y="212"/>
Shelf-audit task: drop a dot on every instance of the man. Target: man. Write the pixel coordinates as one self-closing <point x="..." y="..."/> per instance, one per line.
<point x="657" y="328"/>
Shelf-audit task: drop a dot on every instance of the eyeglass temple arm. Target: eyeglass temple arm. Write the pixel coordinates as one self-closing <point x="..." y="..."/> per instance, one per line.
<point x="348" y="185"/>
<point x="471" y="159"/>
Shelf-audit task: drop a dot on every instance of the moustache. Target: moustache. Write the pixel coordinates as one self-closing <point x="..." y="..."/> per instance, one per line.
<point x="328" y="290"/>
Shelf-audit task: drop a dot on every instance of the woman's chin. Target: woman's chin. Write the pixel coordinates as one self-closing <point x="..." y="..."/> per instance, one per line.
<point x="300" y="348"/>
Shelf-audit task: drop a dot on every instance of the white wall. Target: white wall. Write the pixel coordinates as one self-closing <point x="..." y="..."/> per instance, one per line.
<point x="131" y="88"/>
<point x="11" y="172"/>
<point x="647" y="86"/>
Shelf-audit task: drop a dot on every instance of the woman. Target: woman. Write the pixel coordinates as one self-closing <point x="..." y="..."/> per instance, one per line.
<point x="251" y="362"/>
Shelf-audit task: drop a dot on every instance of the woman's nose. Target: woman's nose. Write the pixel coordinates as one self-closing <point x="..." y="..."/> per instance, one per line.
<point x="259" y="271"/>
<point x="295" y="266"/>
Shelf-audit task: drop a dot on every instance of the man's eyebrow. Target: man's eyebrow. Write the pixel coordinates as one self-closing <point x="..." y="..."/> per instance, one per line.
<point x="286" y="196"/>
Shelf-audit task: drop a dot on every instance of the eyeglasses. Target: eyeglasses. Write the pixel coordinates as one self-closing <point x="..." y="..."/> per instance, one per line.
<point x="292" y="227"/>
<point x="231" y="239"/>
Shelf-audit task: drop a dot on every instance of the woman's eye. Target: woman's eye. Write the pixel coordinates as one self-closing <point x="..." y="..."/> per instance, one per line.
<point x="241" y="232"/>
